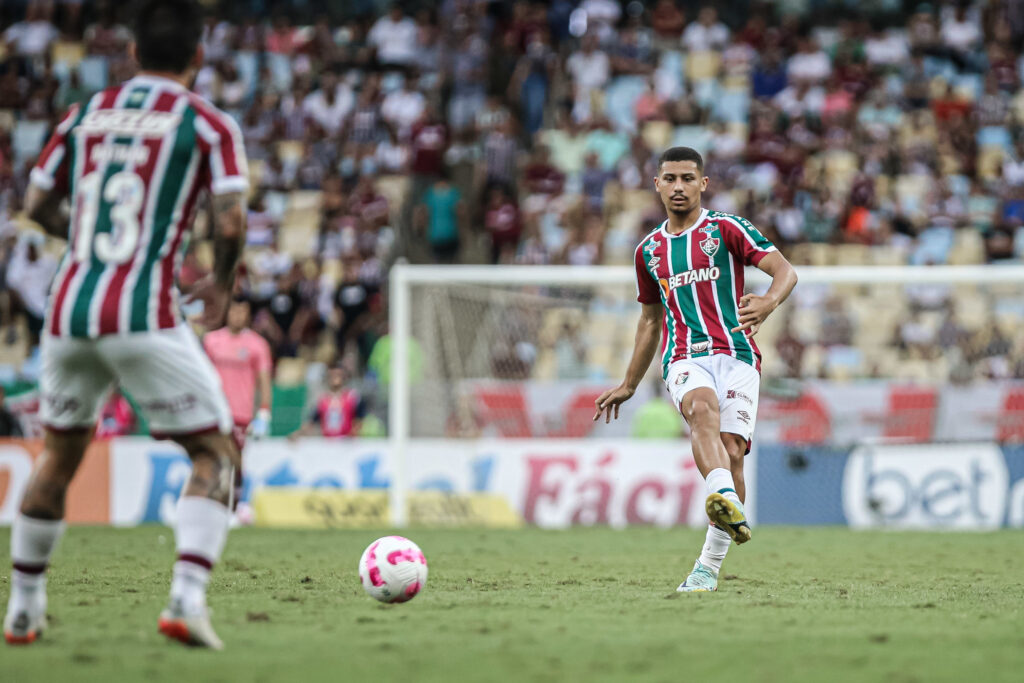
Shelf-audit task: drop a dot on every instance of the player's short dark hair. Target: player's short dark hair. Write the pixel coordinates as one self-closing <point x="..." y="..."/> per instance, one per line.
<point x="167" y="33"/>
<point x="682" y="154"/>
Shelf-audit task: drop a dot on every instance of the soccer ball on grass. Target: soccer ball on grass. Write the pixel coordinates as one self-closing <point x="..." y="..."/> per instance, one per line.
<point x="393" y="569"/>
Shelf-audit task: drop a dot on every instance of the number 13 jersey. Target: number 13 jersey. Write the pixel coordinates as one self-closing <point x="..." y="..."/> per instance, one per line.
<point x="133" y="161"/>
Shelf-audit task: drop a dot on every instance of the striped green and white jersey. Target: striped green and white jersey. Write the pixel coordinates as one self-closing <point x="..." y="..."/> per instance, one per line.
<point x="697" y="276"/>
<point x="133" y="161"/>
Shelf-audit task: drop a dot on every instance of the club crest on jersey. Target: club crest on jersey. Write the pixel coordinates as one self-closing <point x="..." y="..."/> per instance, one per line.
<point x="710" y="245"/>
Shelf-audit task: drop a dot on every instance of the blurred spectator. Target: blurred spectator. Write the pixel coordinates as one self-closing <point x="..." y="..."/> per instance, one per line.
<point x="706" y="33"/>
<point x="107" y="37"/>
<point x="31" y="37"/>
<point x="439" y="218"/>
<point x="590" y="69"/>
<point x="594" y="179"/>
<point x="501" y="220"/>
<point x="330" y="103"/>
<point x="337" y="412"/>
<point x="394" y="37"/>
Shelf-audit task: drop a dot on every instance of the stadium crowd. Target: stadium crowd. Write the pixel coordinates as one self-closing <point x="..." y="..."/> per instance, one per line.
<point x="465" y="131"/>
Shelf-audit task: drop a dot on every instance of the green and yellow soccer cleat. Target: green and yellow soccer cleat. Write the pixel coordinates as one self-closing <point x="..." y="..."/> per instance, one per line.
<point x="702" y="579"/>
<point x="728" y="516"/>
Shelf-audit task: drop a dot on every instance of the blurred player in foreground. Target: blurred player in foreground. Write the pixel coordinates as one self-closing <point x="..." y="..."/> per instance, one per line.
<point x="690" y="281"/>
<point x="134" y="161"/>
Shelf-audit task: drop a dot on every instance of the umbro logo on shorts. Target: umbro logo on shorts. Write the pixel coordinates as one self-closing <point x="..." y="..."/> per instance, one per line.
<point x="743" y="415"/>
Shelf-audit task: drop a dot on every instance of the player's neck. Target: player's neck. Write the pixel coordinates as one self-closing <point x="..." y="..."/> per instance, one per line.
<point x="181" y="79"/>
<point x="679" y="223"/>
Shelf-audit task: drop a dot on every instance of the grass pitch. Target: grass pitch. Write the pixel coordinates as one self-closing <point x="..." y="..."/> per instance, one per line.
<point x="582" y="605"/>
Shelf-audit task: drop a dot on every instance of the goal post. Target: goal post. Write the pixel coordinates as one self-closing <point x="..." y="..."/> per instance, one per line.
<point x="459" y="325"/>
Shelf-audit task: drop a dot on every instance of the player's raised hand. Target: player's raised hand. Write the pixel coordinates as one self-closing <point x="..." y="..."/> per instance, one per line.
<point x="752" y="311"/>
<point x="610" y="400"/>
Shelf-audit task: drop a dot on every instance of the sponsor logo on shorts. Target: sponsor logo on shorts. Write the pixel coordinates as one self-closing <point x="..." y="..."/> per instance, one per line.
<point x="733" y="393"/>
<point x="58" y="405"/>
<point x="682" y="377"/>
<point x="700" y="347"/>
<point x="175" y="404"/>
<point x="743" y="415"/>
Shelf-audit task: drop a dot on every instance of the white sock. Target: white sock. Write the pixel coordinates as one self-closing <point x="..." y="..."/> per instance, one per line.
<point x="200" y="531"/>
<point x="32" y="543"/>
<point x="716" y="545"/>
<point x="719" y="480"/>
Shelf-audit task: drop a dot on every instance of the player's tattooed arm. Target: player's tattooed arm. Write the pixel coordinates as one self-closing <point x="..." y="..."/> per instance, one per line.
<point x="46" y="207"/>
<point x="228" y="237"/>
<point x="228" y="218"/>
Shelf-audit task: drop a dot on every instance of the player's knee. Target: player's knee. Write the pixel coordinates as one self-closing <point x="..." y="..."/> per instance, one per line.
<point x="702" y="413"/>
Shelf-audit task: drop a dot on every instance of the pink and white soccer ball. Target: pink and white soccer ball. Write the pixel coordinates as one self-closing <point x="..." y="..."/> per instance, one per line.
<point x="393" y="569"/>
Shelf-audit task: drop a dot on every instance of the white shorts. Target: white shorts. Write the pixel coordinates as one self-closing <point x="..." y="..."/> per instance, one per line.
<point x="166" y="372"/>
<point x="734" y="382"/>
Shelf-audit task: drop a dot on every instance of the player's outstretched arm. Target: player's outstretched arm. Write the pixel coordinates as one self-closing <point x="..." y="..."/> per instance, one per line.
<point x="648" y="334"/>
<point x="46" y="207"/>
<point x="228" y="241"/>
<point x="755" y="309"/>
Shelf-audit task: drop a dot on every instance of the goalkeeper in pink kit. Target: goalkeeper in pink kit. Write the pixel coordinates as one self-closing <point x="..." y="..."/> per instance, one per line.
<point x="242" y="359"/>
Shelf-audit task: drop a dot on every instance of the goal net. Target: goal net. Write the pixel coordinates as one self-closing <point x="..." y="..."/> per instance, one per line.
<point x="859" y="357"/>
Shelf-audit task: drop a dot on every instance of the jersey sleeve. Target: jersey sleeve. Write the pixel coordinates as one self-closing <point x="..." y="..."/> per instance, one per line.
<point x="51" y="169"/>
<point x="227" y="169"/>
<point x="744" y="240"/>
<point x="646" y="287"/>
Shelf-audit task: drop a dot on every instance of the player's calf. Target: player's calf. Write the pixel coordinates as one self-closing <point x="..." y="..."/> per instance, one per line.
<point x="32" y="543"/>
<point x="201" y="530"/>
<point x="35" y="533"/>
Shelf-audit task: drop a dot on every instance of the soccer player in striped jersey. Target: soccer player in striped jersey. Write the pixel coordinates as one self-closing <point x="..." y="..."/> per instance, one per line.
<point x="690" y="282"/>
<point x="133" y="162"/>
